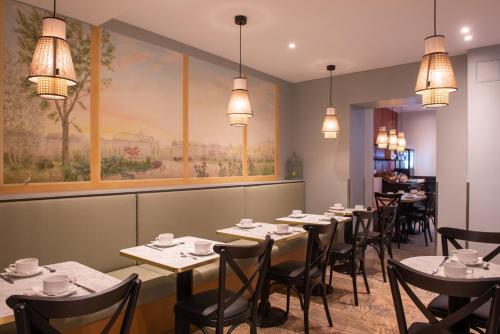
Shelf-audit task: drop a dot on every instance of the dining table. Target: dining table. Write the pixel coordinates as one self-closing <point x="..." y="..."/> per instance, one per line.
<point x="179" y="258"/>
<point x="433" y="265"/>
<point x="85" y="282"/>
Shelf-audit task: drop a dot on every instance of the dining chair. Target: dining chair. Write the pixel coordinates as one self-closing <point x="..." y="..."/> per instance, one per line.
<point x="384" y="199"/>
<point x="423" y="216"/>
<point x="304" y="276"/>
<point x="33" y="314"/>
<point x="219" y="308"/>
<point x="483" y="289"/>
<point x="382" y="240"/>
<point x="439" y="305"/>
<point x="352" y="252"/>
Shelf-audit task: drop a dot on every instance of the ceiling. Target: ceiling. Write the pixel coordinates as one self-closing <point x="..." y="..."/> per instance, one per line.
<point x="356" y="35"/>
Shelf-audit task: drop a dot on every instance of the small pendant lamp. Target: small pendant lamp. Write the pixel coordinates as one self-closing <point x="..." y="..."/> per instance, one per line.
<point x="401" y="136"/>
<point x="382" y="138"/>
<point x="239" y="108"/>
<point x="51" y="66"/>
<point x="393" y="136"/>
<point x="330" y="122"/>
<point x="435" y="78"/>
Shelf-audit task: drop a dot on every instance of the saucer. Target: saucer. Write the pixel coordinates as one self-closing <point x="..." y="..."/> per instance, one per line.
<point x="193" y="252"/>
<point x="284" y="233"/>
<point x="478" y="262"/>
<point x="340" y="208"/>
<point x="39" y="292"/>
<point x="298" y="216"/>
<point x="157" y="244"/>
<point x="12" y="273"/>
<point x="247" y="227"/>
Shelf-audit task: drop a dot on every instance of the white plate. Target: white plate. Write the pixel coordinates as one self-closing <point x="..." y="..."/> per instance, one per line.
<point x="477" y="263"/>
<point x="337" y="208"/>
<point x="298" y="216"/>
<point x="284" y="233"/>
<point x="12" y="273"/>
<point x="39" y="292"/>
<point x="157" y="244"/>
<point x="193" y="252"/>
<point x="247" y="227"/>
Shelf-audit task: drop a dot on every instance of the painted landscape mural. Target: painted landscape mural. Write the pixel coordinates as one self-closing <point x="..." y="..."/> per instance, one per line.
<point x="262" y="127"/>
<point x="141" y="112"/>
<point x="215" y="147"/>
<point x="44" y="141"/>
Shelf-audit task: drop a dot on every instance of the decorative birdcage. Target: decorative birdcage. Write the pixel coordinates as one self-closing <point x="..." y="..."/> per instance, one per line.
<point x="294" y="167"/>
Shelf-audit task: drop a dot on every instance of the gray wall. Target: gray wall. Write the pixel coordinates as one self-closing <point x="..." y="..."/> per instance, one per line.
<point x="285" y="87"/>
<point x="420" y="133"/>
<point x="326" y="162"/>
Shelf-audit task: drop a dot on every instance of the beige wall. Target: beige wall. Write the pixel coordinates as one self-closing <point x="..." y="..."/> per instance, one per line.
<point x="420" y="133"/>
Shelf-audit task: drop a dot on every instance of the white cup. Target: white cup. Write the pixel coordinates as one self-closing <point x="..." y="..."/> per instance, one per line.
<point x="165" y="239"/>
<point x="55" y="284"/>
<point x="414" y="191"/>
<point x="282" y="228"/>
<point x="455" y="269"/>
<point x="202" y="246"/>
<point x="467" y="256"/>
<point x="246" y="222"/>
<point x="25" y="266"/>
<point x="338" y="206"/>
<point x="296" y="212"/>
<point x="401" y="191"/>
<point x="329" y="215"/>
<point x="359" y="207"/>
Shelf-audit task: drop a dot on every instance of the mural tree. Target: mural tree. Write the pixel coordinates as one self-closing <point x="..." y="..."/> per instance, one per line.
<point x="28" y="29"/>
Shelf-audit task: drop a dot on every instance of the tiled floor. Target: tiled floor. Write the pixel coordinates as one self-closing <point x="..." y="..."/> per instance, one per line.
<point x="375" y="313"/>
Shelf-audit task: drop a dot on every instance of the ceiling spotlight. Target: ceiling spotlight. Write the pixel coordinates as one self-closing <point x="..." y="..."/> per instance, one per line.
<point x="465" y="30"/>
<point x="467" y="38"/>
<point x="292" y="45"/>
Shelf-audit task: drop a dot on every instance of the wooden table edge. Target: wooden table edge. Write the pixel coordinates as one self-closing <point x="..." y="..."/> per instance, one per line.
<point x="8" y="319"/>
<point x="162" y="266"/>
<point x="291" y="237"/>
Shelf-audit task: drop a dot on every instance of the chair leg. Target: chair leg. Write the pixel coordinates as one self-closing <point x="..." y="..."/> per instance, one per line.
<point x="180" y="324"/>
<point x="398" y="233"/>
<point x="354" y="283"/>
<point x="307" y="301"/>
<point x="325" y="305"/>
<point x="425" y="237"/>
<point x="253" y="327"/>
<point x="429" y="228"/>
<point x="389" y="247"/>
<point x="364" y="276"/>
<point x="287" y="300"/>
<point x="382" y="258"/>
<point x="332" y="263"/>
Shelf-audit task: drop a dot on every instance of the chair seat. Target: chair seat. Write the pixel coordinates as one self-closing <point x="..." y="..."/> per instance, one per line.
<point x="439" y="307"/>
<point x="204" y="303"/>
<point x="291" y="269"/>
<point x="341" y="248"/>
<point x="373" y="235"/>
<point x="417" y="327"/>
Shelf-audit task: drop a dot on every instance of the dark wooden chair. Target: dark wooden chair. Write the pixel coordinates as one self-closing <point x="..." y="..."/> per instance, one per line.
<point x="483" y="290"/>
<point x="352" y="252"/>
<point x="33" y="314"/>
<point x="304" y="277"/>
<point x="439" y="305"/>
<point x="221" y="307"/>
<point x="382" y="240"/>
<point x="423" y="216"/>
<point x="384" y="199"/>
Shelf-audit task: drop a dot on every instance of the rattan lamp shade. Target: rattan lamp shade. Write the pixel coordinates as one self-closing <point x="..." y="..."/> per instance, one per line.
<point x="239" y="108"/>
<point x="330" y="123"/>
<point x="52" y="67"/>
<point x="401" y="146"/>
<point x="382" y="139"/>
<point x="435" y="78"/>
<point x="393" y="140"/>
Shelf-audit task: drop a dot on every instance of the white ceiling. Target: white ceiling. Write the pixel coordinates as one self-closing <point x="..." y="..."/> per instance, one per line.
<point x="355" y="35"/>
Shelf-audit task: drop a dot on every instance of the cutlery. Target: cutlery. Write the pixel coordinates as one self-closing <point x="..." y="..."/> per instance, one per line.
<point x="84" y="287"/>
<point x="435" y="271"/>
<point x="153" y="247"/>
<point x="182" y="254"/>
<point x="50" y="269"/>
<point x="486" y="266"/>
<point x="7" y="279"/>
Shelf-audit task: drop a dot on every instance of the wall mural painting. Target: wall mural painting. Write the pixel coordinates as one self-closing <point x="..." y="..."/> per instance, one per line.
<point x="215" y="147"/>
<point x="44" y="141"/>
<point x="262" y="127"/>
<point x="141" y="111"/>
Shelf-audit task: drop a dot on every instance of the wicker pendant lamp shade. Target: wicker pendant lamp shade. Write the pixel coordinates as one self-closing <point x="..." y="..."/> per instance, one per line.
<point x="52" y="67"/>
<point x="393" y="140"/>
<point x="382" y="138"/>
<point x="239" y="108"/>
<point x="436" y="78"/>
<point x="331" y="126"/>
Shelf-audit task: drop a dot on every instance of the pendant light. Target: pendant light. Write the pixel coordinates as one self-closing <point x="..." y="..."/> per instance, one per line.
<point x="435" y="78"/>
<point x="393" y="136"/>
<point x="239" y="108"/>
<point x="52" y="67"/>
<point x="401" y="136"/>
<point x="330" y="122"/>
<point x="382" y="138"/>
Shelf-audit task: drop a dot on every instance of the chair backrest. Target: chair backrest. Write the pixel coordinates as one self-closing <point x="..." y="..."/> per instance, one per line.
<point x="430" y="203"/>
<point x="387" y="219"/>
<point x="384" y="199"/>
<point x="318" y="248"/>
<point x="483" y="290"/>
<point x="451" y="235"/>
<point x="228" y="256"/>
<point x="362" y="226"/>
<point x="34" y="313"/>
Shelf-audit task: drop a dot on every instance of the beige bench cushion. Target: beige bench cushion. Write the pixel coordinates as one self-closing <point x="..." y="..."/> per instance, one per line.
<point x="90" y="230"/>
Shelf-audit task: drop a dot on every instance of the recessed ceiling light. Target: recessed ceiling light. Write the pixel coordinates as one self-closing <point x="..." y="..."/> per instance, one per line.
<point x="292" y="45"/>
<point x="465" y="30"/>
<point x="468" y="38"/>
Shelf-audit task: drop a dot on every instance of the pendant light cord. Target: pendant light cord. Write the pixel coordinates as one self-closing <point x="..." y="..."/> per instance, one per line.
<point x="435" y="20"/>
<point x="331" y="87"/>
<point x="240" y="51"/>
<point x="54" y="14"/>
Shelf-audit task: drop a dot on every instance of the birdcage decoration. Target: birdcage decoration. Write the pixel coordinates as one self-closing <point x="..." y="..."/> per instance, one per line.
<point x="294" y="167"/>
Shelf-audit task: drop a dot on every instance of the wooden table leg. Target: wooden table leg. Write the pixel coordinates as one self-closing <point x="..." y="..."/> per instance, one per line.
<point x="184" y="290"/>
<point x="454" y="304"/>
